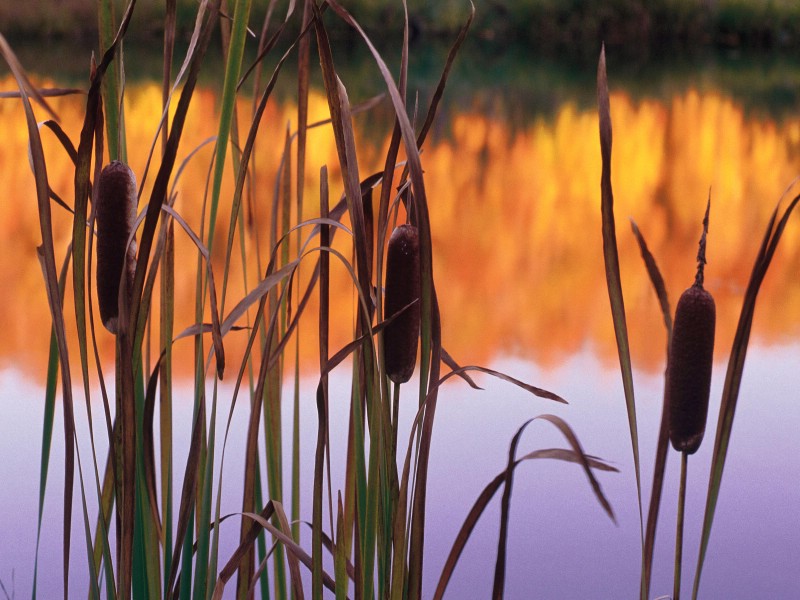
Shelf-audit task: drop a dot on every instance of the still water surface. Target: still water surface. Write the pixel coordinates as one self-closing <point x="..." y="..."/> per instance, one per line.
<point x="518" y="265"/>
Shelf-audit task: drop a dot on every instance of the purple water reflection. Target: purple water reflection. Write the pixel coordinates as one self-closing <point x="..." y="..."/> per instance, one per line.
<point x="561" y="543"/>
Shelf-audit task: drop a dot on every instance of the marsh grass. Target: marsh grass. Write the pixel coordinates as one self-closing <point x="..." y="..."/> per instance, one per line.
<point x="369" y="527"/>
<point x="137" y="544"/>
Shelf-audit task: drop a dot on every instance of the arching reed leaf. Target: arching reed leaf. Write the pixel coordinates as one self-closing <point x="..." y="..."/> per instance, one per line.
<point x="170" y="23"/>
<point x="241" y="551"/>
<point x="51" y="389"/>
<point x="397" y="590"/>
<point x="498" y="587"/>
<point x="46" y="93"/>
<point x="216" y="333"/>
<point x="575" y="455"/>
<point x="613" y="279"/>
<point x="26" y="89"/>
<point x="46" y="255"/>
<point x="200" y="40"/>
<point x="294" y="550"/>
<point x="62" y="137"/>
<point x="657" y="281"/>
<point x="662" y="444"/>
<point x="448" y="65"/>
<point x="294" y="565"/>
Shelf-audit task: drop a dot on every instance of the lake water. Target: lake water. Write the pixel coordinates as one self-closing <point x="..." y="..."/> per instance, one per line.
<point x="514" y="197"/>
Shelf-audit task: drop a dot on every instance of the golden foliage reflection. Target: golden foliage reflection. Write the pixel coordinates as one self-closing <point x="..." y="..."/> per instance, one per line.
<point x="515" y="220"/>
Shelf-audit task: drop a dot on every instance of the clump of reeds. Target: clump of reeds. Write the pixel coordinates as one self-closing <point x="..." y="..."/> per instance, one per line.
<point x="116" y="214"/>
<point x="402" y="294"/>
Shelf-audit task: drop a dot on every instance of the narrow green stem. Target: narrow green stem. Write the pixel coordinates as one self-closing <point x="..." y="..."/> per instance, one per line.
<point x="676" y="589"/>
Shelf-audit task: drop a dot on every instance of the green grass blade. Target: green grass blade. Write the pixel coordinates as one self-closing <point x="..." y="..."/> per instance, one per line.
<point x="613" y="281"/>
<point x="51" y="388"/>
<point x="94" y="586"/>
<point x="111" y="88"/>
<point x="202" y="575"/>
<point x="340" y="558"/>
<point x="233" y="68"/>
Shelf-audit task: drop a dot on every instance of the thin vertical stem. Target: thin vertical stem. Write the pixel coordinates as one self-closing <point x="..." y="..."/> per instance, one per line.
<point x="676" y="588"/>
<point x="395" y="420"/>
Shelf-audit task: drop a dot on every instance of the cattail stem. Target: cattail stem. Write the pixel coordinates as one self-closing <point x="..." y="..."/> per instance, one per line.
<point x="395" y="419"/>
<point x="676" y="588"/>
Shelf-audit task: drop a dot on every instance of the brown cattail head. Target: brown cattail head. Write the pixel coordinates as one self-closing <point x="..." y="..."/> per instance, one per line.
<point x="402" y="288"/>
<point x="689" y="368"/>
<point x="116" y="214"/>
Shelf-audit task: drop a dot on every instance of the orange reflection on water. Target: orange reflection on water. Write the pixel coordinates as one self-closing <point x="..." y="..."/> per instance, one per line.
<point x="515" y="220"/>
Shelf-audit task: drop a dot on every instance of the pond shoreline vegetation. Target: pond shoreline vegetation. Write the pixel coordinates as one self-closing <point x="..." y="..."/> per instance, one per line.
<point x="367" y="531"/>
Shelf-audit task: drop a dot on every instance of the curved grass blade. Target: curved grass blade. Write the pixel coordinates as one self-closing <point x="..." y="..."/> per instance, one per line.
<point x="662" y="444"/>
<point x="26" y="89"/>
<point x="216" y="334"/>
<point x="505" y="507"/>
<point x="170" y="23"/>
<point x="68" y="146"/>
<point x="46" y="93"/>
<point x="613" y="280"/>
<point x="448" y="65"/>
<point x="241" y="551"/>
<point x="46" y="254"/>
<point x="733" y="376"/>
<point x="49" y="411"/>
<point x="402" y="506"/>
<point x="200" y="41"/>
<point x="575" y="455"/>
<point x="293" y="549"/>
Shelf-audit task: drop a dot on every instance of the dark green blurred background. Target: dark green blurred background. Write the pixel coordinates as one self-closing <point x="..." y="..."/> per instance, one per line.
<point x="522" y="57"/>
<point x="570" y="24"/>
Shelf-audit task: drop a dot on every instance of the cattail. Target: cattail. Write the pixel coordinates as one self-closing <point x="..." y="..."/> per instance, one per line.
<point x="402" y="288"/>
<point x="691" y="354"/>
<point x="116" y="214"/>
